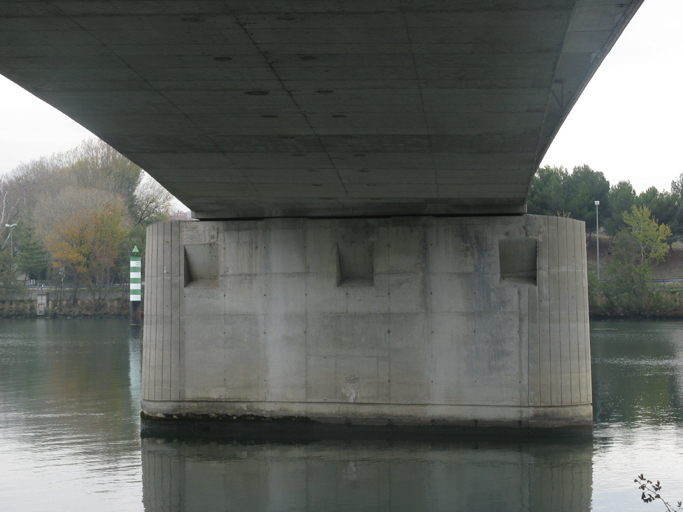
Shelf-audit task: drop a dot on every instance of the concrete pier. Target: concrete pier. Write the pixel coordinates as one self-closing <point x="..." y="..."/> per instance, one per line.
<point x="463" y="321"/>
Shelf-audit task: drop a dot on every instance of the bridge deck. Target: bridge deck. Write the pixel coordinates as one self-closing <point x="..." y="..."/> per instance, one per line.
<point x="265" y="108"/>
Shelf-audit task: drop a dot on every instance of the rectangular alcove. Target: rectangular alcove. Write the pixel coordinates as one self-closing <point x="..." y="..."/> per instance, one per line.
<point x="356" y="264"/>
<point x="201" y="265"/>
<point x="518" y="260"/>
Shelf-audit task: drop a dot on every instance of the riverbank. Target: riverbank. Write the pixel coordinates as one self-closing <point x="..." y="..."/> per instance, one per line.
<point x="661" y="304"/>
<point x="661" y="298"/>
<point x="25" y="304"/>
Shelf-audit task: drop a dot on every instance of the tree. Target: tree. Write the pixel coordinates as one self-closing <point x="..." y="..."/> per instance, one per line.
<point x="32" y="257"/>
<point x="633" y="249"/>
<point x="96" y="165"/>
<point x="626" y="290"/>
<point x="88" y="244"/>
<point x="649" y="236"/>
<point x="553" y="191"/>
<point x="66" y="195"/>
<point x="583" y="187"/>
<point x="621" y="198"/>
<point x="546" y="191"/>
<point x="152" y="203"/>
<point x="56" y="208"/>
<point x="666" y="209"/>
<point x="6" y="276"/>
<point x="677" y="186"/>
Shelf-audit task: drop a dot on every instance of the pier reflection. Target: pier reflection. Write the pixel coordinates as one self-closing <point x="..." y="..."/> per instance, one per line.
<point x="483" y="475"/>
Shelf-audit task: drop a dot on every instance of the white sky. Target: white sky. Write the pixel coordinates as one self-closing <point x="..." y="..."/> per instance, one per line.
<point x="626" y="124"/>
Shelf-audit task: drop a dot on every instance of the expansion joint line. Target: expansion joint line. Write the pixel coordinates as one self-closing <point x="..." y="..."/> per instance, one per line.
<point x="135" y="72"/>
<point x="422" y="104"/>
<point x="270" y="65"/>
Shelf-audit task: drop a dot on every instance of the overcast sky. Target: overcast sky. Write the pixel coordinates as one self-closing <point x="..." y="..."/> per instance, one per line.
<point x="626" y="124"/>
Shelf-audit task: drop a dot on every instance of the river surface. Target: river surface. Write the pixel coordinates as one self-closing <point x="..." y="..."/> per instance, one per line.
<point x="69" y="440"/>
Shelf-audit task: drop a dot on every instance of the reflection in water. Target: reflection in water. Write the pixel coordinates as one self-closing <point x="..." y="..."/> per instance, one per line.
<point x="638" y="410"/>
<point x="324" y="476"/>
<point x="69" y="440"/>
<point x="637" y="368"/>
<point x="69" y="431"/>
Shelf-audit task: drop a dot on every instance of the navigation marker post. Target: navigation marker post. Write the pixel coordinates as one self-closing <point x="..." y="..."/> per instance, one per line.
<point x="135" y="287"/>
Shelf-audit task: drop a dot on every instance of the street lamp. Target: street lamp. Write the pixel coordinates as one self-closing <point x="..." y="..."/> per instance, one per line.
<point x="597" y="235"/>
<point x="11" y="251"/>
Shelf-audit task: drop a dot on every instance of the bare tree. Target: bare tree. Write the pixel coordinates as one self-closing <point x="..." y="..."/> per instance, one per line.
<point x="152" y="202"/>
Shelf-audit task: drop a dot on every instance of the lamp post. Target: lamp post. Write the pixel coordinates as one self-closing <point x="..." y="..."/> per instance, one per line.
<point x="11" y="252"/>
<point x="597" y="235"/>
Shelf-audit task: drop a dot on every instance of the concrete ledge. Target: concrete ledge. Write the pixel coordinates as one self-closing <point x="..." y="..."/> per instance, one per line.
<point x="475" y="416"/>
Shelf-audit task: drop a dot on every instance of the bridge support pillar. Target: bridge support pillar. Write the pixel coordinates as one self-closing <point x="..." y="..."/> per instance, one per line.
<point x="463" y="321"/>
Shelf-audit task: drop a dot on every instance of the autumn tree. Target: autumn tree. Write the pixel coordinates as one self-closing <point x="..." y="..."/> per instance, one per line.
<point x="87" y="244"/>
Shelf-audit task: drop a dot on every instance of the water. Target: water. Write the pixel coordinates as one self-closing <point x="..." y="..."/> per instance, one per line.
<point x="69" y="440"/>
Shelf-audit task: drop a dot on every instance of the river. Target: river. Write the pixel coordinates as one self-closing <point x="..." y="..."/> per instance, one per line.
<point x="69" y="440"/>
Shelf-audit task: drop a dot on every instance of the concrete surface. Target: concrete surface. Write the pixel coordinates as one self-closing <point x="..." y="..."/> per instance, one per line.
<point x="318" y="108"/>
<point x="418" y="320"/>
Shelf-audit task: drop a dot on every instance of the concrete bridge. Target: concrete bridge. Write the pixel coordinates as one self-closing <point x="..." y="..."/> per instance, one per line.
<point x="361" y="171"/>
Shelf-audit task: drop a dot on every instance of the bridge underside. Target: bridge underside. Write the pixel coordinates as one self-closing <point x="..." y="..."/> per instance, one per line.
<point x="404" y="113"/>
<point x="264" y="108"/>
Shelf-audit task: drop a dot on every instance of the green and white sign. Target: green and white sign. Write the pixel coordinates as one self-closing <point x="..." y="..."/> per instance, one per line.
<point x="135" y="275"/>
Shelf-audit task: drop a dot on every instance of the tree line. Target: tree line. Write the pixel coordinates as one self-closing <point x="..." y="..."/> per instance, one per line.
<point x="71" y="219"/>
<point x="641" y="227"/>
<point x="556" y="191"/>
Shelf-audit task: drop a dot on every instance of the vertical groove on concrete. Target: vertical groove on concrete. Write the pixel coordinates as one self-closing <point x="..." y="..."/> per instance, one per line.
<point x="175" y="309"/>
<point x="553" y="288"/>
<point x="149" y="307"/>
<point x="148" y="340"/>
<point x="145" y="328"/>
<point x="534" y="359"/>
<point x="524" y="326"/>
<point x="153" y="316"/>
<point x="580" y="245"/>
<point x="587" y="352"/>
<point x="576" y="320"/>
<point x="168" y="333"/>
<point x="571" y="317"/>
<point x="562" y="291"/>
<point x="181" y="316"/>
<point x="162" y="307"/>
<point x="158" y="293"/>
<point x="544" y="317"/>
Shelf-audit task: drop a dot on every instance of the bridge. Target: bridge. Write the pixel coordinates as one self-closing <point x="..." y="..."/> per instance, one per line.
<point x="360" y="169"/>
